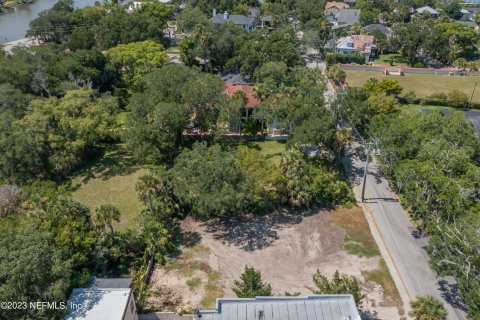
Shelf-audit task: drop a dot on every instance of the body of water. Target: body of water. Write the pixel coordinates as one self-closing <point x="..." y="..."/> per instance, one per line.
<point x="14" y="23"/>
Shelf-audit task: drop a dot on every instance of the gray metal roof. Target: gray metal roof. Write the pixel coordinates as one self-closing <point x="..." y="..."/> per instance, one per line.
<point x="375" y="26"/>
<point x="237" y="19"/>
<point x="112" y="283"/>
<point x="427" y="9"/>
<point x="235" y="78"/>
<point x="97" y="304"/>
<point x="347" y="16"/>
<point x="314" y="307"/>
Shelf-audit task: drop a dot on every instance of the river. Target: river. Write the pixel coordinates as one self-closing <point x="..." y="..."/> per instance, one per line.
<point x="14" y="23"/>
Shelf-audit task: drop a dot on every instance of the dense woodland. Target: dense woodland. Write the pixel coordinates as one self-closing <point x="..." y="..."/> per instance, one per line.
<point x="102" y="78"/>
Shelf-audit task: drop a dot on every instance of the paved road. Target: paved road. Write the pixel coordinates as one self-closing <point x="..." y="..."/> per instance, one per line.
<point x="405" y="254"/>
<point x="405" y="246"/>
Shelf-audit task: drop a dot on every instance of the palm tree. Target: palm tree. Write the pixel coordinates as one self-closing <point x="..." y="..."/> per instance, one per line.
<point x="428" y="308"/>
<point x="105" y="215"/>
<point x="343" y="137"/>
<point x="147" y="189"/>
<point x="455" y="51"/>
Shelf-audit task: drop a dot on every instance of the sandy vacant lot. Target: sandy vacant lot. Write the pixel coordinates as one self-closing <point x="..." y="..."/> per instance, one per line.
<point x="287" y="247"/>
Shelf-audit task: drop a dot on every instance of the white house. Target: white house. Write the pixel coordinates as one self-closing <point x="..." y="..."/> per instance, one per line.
<point x="356" y="45"/>
<point x="427" y="9"/>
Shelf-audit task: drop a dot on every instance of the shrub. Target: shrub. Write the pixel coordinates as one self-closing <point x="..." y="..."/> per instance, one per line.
<point x="332" y="58"/>
<point x="457" y="98"/>
<point x="439" y="95"/>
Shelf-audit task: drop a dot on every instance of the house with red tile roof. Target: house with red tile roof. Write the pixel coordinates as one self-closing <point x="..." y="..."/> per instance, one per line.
<point x="335" y="6"/>
<point x="231" y="88"/>
<point x="356" y="44"/>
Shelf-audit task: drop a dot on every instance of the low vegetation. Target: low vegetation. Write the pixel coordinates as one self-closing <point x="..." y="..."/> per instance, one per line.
<point x="423" y="85"/>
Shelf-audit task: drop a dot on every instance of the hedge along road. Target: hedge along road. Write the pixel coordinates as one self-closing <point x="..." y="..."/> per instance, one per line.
<point x="380" y="68"/>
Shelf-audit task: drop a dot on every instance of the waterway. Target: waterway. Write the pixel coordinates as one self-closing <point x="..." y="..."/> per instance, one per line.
<point x="14" y="22"/>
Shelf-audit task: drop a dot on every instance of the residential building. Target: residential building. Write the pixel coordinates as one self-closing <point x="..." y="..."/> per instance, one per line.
<point x="355" y="45"/>
<point x="247" y="110"/>
<point x="101" y="303"/>
<point x="314" y="307"/>
<point x="335" y="6"/>
<point x="240" y="20"/>
<point x="105" y="298"/>
<point x="433" y="13"/>
<point x="378" y="27"/>
<point x="343" y="17"/>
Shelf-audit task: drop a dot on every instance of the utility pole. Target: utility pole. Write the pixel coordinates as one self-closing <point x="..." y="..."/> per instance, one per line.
<point x="372" y="150"/>
<point x="471" y="97"/>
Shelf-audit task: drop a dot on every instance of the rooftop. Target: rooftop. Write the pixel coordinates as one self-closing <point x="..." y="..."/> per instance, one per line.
<point x="314" y="307"/>
<point x="336" y="5"/>
<point x="347" y="16"/>
<point x="231" y="88"/>
<point x="237" y="19"/>
<point x="380" y="27"/>
<point x="112" y="283"/>
<point x="427" y="9"/>
<point x="98" y="304"/>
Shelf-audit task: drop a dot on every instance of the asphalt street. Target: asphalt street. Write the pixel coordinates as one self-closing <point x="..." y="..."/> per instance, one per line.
<point x="405" y="247"/>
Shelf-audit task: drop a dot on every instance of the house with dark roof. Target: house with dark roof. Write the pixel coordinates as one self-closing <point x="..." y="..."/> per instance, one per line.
<point x="314" y="307"/>
<point x="237" y="19"/>
<point x="378" y="27"/>
<point x="343" y="17"/>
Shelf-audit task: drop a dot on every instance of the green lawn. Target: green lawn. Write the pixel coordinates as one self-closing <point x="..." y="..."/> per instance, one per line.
<point x="110" y="179"/>
<point x="423" y="85"/>
<point x="270" y="149"/>
<point x="399" y="60"/>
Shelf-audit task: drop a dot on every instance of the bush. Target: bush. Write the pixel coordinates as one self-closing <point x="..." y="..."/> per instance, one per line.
<point x="419" y="65"/>
<point x="440" y="96"/>
<point x="411" y="97"/>
<point x="457" y="99"/>
<point x="333" y="58"/>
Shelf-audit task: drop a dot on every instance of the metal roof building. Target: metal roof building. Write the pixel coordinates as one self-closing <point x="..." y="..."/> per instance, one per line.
<point x="314" y="307"/>
<point x="101" y="304"/>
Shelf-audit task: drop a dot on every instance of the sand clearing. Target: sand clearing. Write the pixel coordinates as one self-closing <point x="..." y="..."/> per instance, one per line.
<point x="287" y="247"/>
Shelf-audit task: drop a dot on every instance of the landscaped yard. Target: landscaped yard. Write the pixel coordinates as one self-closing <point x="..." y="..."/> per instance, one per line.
<point x="398" y="60"/>
<point x="111" y="179"/>
<point x="423" y="85"/>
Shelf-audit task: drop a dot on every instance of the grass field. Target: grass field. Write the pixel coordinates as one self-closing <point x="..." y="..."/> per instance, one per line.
<point x="423" y="85"/>
<point x="398" y="60"/>
<point x="111" y="179"/>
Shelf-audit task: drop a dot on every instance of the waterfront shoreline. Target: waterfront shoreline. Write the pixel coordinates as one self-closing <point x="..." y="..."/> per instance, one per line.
<point x="20" y="3"/>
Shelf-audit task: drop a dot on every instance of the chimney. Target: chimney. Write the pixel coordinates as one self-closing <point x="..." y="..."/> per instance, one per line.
<point x="225" y="15"/>
<point x="214" y="12"/>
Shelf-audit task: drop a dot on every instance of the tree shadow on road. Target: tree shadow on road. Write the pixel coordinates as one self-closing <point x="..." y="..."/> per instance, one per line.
<point x="451" y="294"/>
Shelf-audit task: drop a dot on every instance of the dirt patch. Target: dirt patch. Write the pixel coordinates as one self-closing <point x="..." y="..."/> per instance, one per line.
<point x="287" y="247"/>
